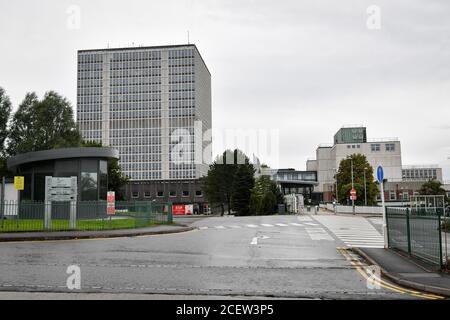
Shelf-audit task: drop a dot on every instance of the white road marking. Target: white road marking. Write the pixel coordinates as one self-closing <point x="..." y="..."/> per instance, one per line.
<point x="353" y="231"/>
<point x="252" y="226"/>
<point x="219" y="227"/>
<point x="318" y="234"/>
<point x="254" y="241"/>
<point x="311" y="224"/>
<point x="266" y="225"/>
<point x="281" y="224"/>
<point x="203" y="228"/>
<point x="296" y="224"/>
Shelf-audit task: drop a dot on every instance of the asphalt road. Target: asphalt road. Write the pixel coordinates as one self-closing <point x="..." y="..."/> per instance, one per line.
<point x="225" y="257"/>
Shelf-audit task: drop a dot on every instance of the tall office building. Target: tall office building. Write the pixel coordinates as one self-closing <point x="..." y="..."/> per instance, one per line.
<point x="146" y="101"/>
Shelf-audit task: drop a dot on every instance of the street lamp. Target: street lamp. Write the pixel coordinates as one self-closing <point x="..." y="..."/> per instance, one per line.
<point x="365" y="187"/>
<point x="353" y="182"/>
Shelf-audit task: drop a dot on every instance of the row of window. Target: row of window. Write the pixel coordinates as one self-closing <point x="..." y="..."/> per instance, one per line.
<point x="137" y="55"/>
<point x="376" y="147"/>
<point x="161" y="194"/>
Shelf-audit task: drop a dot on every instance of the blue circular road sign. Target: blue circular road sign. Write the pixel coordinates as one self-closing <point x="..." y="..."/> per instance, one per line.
<point x="380" y="174"/>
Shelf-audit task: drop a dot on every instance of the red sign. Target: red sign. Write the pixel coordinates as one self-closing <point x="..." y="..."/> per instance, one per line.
<point x="353" y="192"/>
<point x="178" y="209"/>
<point x="111" y="203"/>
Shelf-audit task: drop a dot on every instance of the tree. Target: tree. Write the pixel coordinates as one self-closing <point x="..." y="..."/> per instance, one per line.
<point x="242" y="186"/>
<point x="433" y="188"/>
<point x="5" y="111"/>
<point x="265" y="197"/>
<point x="116" y="179"/>
<point x="219" y="183"/>
<point x="345" y="180"/>
<point x="42" y="125"/>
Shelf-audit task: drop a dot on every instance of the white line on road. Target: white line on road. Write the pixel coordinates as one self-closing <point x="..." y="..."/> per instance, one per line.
<point x="281" y="225"/>
<point x="219" y="227"/>
<point x="252" y="226"/>
<point x="296" y="224"/>
<point x="266" y="225"/>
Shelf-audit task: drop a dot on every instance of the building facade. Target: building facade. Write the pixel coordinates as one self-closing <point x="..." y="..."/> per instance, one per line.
<point x="153" y="104"/>
<point x="402" y="181"/>
<point x="349" y="141"/>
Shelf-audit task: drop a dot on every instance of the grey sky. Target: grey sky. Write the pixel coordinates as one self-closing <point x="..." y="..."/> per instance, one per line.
<point x="305" y="67"/>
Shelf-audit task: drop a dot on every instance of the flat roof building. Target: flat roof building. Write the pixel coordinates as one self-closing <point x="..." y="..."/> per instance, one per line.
<point x="150" y="103"/>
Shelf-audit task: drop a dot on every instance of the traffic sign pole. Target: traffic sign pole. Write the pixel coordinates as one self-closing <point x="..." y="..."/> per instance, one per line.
<point x="380" y="177"/>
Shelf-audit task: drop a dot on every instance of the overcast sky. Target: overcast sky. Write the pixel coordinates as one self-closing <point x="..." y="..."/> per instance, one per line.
<point x="303" y="67"/>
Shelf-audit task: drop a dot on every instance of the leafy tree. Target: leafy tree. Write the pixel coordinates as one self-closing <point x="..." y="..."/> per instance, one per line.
<point x="344" y="178"/>
<point x="242" y="186"/>
<point x="265" y="197"/>
<point x="116" y="179"/>
<point x="433" y="188"/>
<point x="219" y="183"/>
<point x="42" y="125"/>
<point x="5" y="111"/>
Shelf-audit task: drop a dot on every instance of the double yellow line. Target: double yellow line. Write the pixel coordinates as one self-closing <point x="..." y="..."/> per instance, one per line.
<point x="362" y="269"/>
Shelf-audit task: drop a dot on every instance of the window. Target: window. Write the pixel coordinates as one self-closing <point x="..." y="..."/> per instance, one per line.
<point x="135" y="194"/>
<point x="392" y="196"/>
<point x="405" y="195"/>
<point x="390" y="147"/>
<point x="160" y="194"/>
<point x="147" y="194"/>
<point x="375" y="147"/>
<point x="185" y="193"/>
<point x="172" y="193"/>
<point x="199" y="193"/>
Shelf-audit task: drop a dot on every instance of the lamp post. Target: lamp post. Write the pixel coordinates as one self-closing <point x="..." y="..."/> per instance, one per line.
<point x="365" y="187"/>
<point x="353" y="181"/>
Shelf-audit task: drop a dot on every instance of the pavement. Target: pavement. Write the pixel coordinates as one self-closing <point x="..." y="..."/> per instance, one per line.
<point x="68" y="235"/>
<point x="406" y="271"/>
<point x="298" y="257"/>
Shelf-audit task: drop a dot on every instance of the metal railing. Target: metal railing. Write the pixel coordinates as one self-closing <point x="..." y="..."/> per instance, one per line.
<point x="420" y="232"/>
<point x="83" y="215"/>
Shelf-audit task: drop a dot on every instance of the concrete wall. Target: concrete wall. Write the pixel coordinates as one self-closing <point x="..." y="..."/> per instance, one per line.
<point x="358" y="209"/>
<point x="10" y="196"/>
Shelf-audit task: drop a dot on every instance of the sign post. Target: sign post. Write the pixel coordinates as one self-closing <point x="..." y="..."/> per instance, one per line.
<point x="111" y="203"/>
<point x="60" y="190"/>
<point x="380" y="178"/>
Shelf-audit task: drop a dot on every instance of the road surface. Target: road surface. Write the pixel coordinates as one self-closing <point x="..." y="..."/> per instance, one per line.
<point x="264" y="256"/>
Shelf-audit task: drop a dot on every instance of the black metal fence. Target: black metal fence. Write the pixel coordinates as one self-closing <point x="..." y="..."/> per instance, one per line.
<point x="418" y="232"/>
<point x="82" y="215"/>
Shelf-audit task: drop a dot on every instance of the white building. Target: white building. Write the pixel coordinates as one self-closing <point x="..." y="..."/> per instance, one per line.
<point x="349" y="141"/>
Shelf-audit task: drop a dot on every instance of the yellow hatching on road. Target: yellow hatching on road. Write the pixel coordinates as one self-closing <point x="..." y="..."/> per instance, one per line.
<point x="362" y="268"/>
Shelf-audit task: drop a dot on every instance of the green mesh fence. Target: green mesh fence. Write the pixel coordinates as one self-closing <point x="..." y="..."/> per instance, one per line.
<point x="416" y="231"/>
<point x="84" y="215"/>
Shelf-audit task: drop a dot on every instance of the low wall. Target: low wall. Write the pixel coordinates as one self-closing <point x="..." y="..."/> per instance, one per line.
<point x="358" y="209"/>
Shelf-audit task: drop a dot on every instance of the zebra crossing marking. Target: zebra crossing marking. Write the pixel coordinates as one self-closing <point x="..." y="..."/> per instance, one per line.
<point x="353" y="231"/>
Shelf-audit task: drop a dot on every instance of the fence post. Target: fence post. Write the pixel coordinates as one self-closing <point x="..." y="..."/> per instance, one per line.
<point x="385" y="209"/>
<point x="408" y="232"/>
<point x="169" y="213"/>
<point x="440" y="241"/>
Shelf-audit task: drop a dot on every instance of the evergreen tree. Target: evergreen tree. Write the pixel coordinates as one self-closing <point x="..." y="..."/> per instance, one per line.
<point x="242" y="186"/>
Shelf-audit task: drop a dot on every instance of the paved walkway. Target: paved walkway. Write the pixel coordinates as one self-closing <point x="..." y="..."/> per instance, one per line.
<point x="67" y="235"/>
<point x="407" y="272"/>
